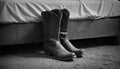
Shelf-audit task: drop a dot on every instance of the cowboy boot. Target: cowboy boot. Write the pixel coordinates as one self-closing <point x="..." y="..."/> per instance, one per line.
<point x="64" y="35"/>
<point x="52" y="45"/>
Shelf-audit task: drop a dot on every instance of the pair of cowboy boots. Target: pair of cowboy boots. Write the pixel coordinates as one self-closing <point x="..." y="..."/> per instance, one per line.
<point x="56" y="42"/>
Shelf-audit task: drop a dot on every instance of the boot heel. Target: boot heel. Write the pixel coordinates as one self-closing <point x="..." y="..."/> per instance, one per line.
<point x="47" y="53"/>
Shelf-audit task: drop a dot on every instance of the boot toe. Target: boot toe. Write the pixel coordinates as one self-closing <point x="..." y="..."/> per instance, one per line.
<point x="74" y="55"/>
<point x="79" y="53"/>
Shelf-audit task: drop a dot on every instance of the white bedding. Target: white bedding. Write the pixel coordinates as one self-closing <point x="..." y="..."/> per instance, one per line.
<point x="19" y="11"/>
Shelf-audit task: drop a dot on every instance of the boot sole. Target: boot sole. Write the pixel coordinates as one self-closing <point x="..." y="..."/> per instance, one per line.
<point x="58" y="58"/>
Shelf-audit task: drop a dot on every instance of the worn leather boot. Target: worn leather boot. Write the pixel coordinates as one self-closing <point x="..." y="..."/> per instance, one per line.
<point x="64" y="34"/>
<point x="52" y="45"/>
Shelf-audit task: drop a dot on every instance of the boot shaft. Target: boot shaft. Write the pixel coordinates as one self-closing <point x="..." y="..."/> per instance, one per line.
<point x="64" y="24"/>
<point x="51" y="24"/>
<point x="64" y="21"/>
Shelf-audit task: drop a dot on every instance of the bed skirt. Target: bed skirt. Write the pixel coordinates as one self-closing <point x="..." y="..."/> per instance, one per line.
<point x="78" y="29"/>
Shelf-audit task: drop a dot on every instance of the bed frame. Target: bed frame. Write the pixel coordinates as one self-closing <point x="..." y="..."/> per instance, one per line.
<point x="78" y="29"/>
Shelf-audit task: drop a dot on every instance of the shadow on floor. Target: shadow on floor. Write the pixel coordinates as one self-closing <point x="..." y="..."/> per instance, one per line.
<point x="33" y="50"/>
<point x="21" y="48"/>
<point x="24" y="49"/>
<point x="84" y="43"/>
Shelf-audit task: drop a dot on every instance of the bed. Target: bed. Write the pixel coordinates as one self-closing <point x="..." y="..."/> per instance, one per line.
<point x="20" y="20"/>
